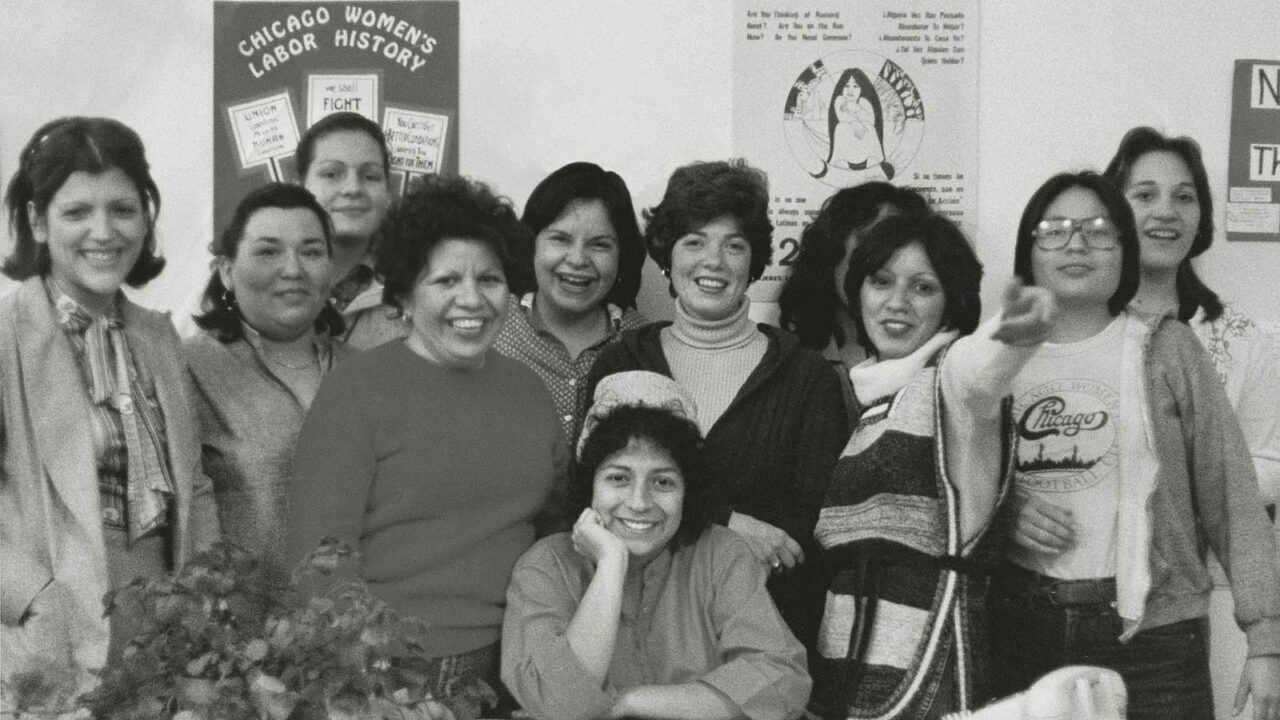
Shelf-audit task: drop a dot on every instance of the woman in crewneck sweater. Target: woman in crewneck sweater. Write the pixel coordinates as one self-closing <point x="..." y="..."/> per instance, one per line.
<point x="771" y="411"/>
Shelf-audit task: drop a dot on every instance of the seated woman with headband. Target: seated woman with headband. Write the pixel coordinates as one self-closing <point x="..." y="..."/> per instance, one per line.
<point x="646" y="609"/>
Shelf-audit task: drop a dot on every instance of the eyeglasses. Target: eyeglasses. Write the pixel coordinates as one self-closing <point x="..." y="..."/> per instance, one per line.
<point x="1098" y="233"/>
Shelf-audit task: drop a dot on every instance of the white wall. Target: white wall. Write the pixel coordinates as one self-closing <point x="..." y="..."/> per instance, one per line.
<point x="645" y="87"/>
<point x="642" y="87"/>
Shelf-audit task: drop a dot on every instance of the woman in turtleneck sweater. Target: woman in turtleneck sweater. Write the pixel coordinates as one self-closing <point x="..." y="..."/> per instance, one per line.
<point x="771" y="411"/>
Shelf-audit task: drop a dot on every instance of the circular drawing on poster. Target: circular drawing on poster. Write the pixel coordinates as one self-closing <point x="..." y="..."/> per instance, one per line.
<point x="852" y="117"/>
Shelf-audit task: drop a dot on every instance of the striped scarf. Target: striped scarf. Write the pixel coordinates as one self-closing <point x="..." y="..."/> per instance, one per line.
<point x="116" y="391"/>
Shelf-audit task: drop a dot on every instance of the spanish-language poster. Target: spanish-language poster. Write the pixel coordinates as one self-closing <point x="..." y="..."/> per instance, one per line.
<point x="281" y="66"/>
<point x="1253" y="165"/>
<point x="830" y="93"/>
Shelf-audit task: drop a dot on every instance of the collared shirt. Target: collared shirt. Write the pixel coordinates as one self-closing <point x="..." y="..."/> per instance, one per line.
<point x="699" y="613"/>
<point x="524" y="337"/>
<point x="110" y="445"/>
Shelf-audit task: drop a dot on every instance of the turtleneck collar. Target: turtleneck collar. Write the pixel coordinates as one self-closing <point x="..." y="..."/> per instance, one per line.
<point x="732" y="332"/>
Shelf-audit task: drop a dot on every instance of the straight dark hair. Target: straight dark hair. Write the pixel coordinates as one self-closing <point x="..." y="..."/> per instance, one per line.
<point x="220" y="315"/>
<point x="953" y="260"/>
<point x="1193" y="294"/>
<point x="809" y="303"/>
<point x="585" y="181"/>
<point x="58" y="149"/>
<point x="338" y="122"/>
<point x="1121" y="216"/>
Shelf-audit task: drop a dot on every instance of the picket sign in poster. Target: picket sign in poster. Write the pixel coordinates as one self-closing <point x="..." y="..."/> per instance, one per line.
<point x="277" y="64"/>
<point x="1253" y="159"/>
<point x="834" y="93"/>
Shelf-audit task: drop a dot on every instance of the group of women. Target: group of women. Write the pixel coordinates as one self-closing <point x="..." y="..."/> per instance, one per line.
<point x="886" y="509"/>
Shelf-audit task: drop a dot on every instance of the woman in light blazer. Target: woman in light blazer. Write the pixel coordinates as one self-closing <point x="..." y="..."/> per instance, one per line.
<point x="99" y="451"/>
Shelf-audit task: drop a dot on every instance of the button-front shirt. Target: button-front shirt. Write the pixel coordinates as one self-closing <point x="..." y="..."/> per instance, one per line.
<point x="524" y="337"/>
<point x="698" y="613"/>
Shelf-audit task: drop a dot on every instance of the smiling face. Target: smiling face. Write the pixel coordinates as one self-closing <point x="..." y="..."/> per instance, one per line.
<point x="280" y="273"/>
<point x="457" y="304"/>
<point x="575" y="259"/>
<point x="711" y="269"/>
<point x="95" y="227"/>
<point x="1077" y="274"/>
<point x="639" y="494"/>
<point x="347" y="177"/>
<point x="903" y="303"/>
<point x="1163" y="196"/>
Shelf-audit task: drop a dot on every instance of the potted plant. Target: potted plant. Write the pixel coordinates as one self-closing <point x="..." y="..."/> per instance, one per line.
<point x="228" y="637"/>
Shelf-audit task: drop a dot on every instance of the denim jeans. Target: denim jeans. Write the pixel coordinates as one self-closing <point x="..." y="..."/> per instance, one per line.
<point x="1165" y="669"/>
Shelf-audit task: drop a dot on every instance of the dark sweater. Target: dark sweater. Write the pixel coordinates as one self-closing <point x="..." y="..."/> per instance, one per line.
<point x="435" y="476"/>
<point x="770" y="453"/>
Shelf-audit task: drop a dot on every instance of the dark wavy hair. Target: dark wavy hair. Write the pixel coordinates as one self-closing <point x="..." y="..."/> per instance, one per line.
<point x="809" y="303"/>
<point x="219" y="313"/>
<point x="1121" y="216"/>
<point x="1193" y="294"/>
<point x="58" y="149"/>
<point x="953" y="260"/>
<point x="701" y="192"/>
<point x="338" y="122"/>
<point x="438" y="209"/>
<point x="675" y="435"/>
<point x="585" y="181"/>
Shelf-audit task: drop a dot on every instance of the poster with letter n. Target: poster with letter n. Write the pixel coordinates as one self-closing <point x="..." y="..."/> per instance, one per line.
<point x="279" y="67"/>
<point x="1253" y="164"/>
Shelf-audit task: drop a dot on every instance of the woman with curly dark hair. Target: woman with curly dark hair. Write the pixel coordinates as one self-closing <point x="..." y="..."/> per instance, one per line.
<point x="432" y="456"/>
<point x="813" y="303"/>
<point x="771" y="410"/>
<point x="647" y="608"/>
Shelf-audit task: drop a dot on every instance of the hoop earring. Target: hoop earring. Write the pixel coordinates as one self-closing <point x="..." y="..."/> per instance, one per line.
<point x="229" y="299"/>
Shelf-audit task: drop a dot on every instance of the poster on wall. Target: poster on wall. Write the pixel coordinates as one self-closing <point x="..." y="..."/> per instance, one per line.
<point x="832" y="93"/>
<point x="281" y="66"/>
<point x="1253" y="165"/>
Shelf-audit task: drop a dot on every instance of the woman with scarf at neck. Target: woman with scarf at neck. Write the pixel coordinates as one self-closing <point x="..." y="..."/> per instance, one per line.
<point x="100" y="476"/>
<point x="912" y="497"/>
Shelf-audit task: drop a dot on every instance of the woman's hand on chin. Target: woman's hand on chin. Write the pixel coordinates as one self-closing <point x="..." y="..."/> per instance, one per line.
<point x="595" y="542"/>
<point x="1027" y="315"/>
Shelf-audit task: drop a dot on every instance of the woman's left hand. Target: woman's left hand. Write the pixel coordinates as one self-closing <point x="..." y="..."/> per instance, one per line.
<point x="771" y="545"/>
<point x="1260" y="679"/>
<point x="1027" y="315"/>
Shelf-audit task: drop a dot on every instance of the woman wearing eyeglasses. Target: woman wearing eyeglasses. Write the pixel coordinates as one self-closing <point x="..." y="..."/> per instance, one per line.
<point x="1129" y="462"/>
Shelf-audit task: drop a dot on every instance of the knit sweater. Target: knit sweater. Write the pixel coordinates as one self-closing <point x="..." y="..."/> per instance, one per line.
<point x="712" y="359"/>
<point x="770" y="454"/>
<point x="435" y="476"/>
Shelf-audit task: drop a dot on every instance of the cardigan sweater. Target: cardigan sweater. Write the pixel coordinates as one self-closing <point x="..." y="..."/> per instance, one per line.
<point x="249" y="423"/>
<point x="435" y="476"/>
<point x="770" y="454"/>
<point x="1205" y="492"/>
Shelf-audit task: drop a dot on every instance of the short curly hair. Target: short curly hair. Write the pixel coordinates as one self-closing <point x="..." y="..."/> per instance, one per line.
<point x="677" y="436"/>
<point x="437" y="209"/>
<point x="701" y="192"/>
<point x="808" y="303"/>
<point x="953" y="260"/>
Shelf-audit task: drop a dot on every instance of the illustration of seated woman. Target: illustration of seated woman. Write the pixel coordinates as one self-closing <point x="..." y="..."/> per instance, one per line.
<point x="646" y="609"/>
<point x="855" y="126"/>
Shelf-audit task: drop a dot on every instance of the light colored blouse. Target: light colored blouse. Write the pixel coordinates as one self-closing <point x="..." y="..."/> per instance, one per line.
<point x="699" y="613"/>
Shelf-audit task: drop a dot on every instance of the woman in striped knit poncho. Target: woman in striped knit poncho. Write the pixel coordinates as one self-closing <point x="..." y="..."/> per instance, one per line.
<point x="916" y="486"/>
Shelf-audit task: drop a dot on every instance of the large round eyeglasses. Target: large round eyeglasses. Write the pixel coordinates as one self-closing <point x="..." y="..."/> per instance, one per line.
<point x="1099" y="233"/>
